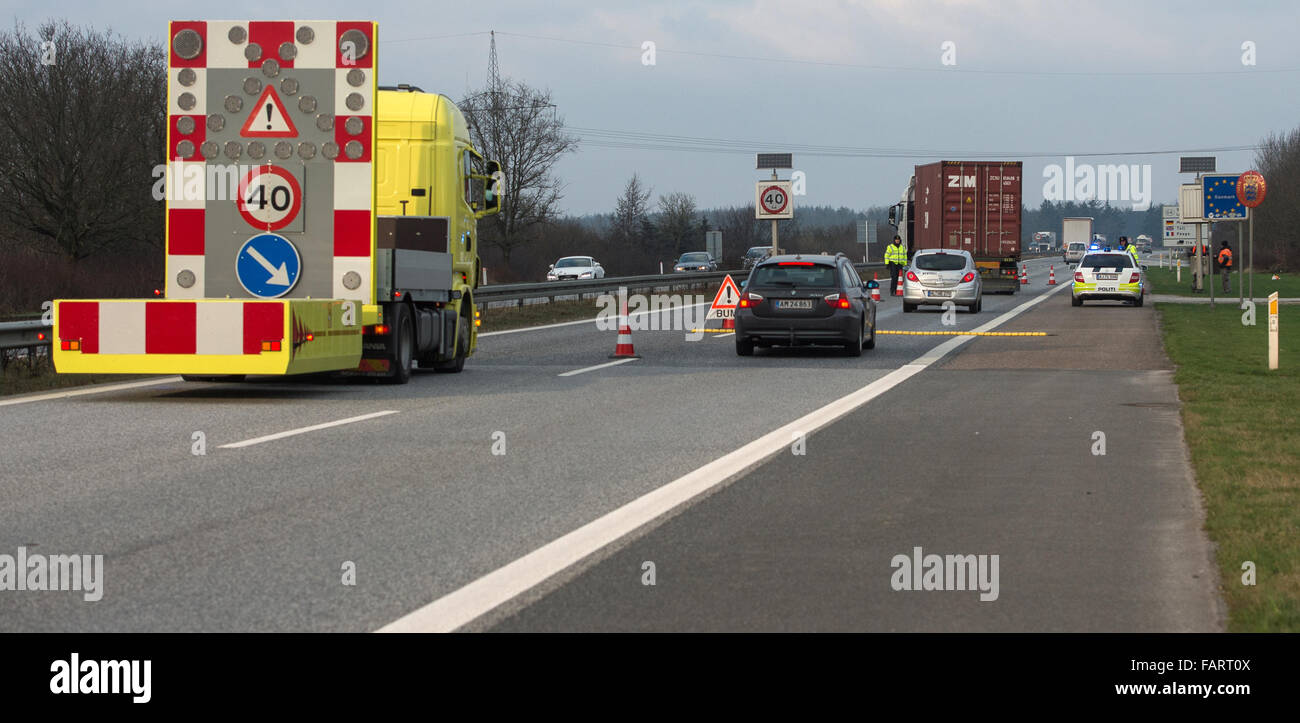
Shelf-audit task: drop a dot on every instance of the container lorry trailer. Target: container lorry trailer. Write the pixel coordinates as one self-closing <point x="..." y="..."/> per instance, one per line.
<point x="974" y="206"/>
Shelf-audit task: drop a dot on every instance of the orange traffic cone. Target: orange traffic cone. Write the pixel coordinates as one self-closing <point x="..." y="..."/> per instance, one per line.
<point x="898" y="290"/>
<point x="1024" y="274"/>
<point x="1051" y="275"/>
<point x="730" y="321"/>
<point x="623" y="349"/>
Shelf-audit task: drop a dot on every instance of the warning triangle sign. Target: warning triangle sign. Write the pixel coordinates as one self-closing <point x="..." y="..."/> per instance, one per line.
<point x="728" y="295"/>
<point x="268" y="119"/>
<point x="724" y="305"/>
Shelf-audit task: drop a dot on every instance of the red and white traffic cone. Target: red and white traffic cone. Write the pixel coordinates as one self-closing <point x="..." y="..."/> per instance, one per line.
<point x="875" y="293"/>
<point x="1024" y="274"/>
<point x="623" y="349"/>
<point x="898" y="289"/>
<point x="1051" y="275"/>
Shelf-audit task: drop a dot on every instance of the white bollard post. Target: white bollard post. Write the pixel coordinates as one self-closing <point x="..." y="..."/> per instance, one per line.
<point x="1272" y="330"/>
<point x="1180" y="270"/>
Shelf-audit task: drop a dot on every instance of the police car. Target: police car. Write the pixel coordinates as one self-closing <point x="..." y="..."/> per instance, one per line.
<point x="1105" y="274"/>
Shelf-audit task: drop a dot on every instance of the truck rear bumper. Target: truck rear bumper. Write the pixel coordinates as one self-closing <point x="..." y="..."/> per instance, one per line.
<point x="205" y="336"/>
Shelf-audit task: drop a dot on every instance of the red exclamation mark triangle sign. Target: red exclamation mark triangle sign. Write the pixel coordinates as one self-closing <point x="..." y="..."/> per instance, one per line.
<point x="268" y="119"/>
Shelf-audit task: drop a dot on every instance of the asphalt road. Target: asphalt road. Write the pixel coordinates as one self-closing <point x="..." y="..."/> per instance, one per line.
<point x="257" y="537"/>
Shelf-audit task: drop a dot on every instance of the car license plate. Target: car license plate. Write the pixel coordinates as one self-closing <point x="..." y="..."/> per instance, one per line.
<point x="1107" y="277"/>
<point x="794" y="303"/>
<point x="938" y="294"/>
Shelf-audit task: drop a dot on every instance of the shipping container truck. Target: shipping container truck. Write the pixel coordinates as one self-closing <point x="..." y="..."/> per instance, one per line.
<point x="315" y="221"/>
<point x="970" y="205"/>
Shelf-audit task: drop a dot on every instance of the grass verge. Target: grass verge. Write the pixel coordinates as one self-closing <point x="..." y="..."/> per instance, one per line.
<point x="1242" y="425"/>
<point x="1164" y="281"/>
<point x="21" y="378"/>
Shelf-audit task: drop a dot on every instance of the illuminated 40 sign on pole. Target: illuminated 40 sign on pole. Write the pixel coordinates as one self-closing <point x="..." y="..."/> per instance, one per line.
<point x="773" y="200"/>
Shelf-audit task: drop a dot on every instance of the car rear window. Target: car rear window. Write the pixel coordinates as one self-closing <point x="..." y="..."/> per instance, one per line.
<point x="939" y="262"/>
<point x="795" y="275"/>
<point x="1077" y="246"/>
<point x="1106" y="261"/>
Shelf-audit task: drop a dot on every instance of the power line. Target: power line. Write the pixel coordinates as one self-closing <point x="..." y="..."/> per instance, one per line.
<point x="636" y="140"/>
<point x="913" y="69"/>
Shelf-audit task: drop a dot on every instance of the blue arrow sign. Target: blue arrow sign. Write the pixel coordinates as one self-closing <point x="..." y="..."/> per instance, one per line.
<point x="1221" y="198"/>
<point x="268" y="265"/>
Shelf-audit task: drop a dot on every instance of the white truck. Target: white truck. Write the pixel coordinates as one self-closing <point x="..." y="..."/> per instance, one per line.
<point x="1076" y="234"/>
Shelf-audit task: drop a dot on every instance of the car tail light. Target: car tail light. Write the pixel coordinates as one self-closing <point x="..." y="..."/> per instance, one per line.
<point x="749" y="299"/>
<point x="1136" y="277"/>
<point x="911" y="276"/>
<point x="838" y="300"/>
<point x="794" y="263"/>
<point x="1078" y="276"/>
<point x="969" y="277"/>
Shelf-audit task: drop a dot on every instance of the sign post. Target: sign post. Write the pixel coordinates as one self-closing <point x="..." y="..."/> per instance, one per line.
<point x="1198" y="165"/>
<point x="774" y="200"/>
<point x="1251" y="190"/>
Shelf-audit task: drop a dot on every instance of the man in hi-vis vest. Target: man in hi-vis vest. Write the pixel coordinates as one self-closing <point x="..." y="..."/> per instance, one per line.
<point x="896" y="259"/>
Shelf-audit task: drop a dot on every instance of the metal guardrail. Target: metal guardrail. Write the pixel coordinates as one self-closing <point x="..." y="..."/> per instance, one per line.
<point x="28" y="334"/>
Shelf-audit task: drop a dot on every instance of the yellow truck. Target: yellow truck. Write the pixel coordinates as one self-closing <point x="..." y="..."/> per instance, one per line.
<point x="315" y="220"/>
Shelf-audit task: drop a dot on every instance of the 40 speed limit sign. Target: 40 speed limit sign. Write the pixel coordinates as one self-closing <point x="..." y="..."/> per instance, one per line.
<point x="270" y="198"/>
<point x="773" y="200"/>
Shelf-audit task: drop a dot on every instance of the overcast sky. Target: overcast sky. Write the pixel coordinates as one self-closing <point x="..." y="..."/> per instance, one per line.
<point x="1033" y="81"/>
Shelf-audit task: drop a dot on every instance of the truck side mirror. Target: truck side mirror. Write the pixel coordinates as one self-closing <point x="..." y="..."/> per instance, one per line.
<point x="893" y="216"/>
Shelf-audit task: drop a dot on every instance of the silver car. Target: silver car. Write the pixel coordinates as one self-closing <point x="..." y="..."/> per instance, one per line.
<point x="937" y="276"/>
<point x="1074" y="252"/>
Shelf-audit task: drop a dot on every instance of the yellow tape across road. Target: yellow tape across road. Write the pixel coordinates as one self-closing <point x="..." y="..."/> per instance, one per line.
<point x="922" y="333"/>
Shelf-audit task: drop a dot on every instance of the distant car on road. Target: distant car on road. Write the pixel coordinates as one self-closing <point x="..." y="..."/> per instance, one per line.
<point x="936" y="276"/>
<point x="1074" y="252"/>
<point x="756" y="254"/>
<point x="1107" y="275"/>
<point x="575" y="267"/>
<point x="696" y="261"/>
<point x="806" y="299"/>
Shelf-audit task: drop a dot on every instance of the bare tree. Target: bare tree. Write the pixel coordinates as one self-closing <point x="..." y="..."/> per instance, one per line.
<point x="516" y="125"/>
<point x="630" y="212"/>
<point x="84" y="119"/>
<point x="1277" y="242"/>
<point x="677" y="221"/>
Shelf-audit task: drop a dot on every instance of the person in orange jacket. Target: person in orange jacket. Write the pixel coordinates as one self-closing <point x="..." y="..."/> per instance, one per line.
<point x="1225" y="266"/>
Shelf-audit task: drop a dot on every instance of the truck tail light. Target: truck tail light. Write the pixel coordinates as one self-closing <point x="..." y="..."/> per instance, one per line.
<point x="271" y="345"/>
<point x="478" y="318"/>
<point x="376" y="330"/>
<point x="911" y="276"/>
<point x="70" y="345"/>
<point x="969" y="277"/>
<point x="749" y="299"/>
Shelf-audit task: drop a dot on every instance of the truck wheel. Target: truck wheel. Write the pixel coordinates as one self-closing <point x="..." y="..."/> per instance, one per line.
<point x="456" y="363"/>
<point x="399" y="371"/>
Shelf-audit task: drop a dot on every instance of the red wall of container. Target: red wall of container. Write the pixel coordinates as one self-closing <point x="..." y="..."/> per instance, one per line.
<point x="969" y="205"/>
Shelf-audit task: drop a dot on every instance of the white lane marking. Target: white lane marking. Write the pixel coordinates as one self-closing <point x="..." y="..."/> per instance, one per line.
<point x="304" y="430"/>
<point x="479" y="597"/>
<point x="730" y="333"/>
<point x="94" y="389"/>
<point x="584" y="370"/>
<point x="464" y="605"/>
<point x="589" y="321"/>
